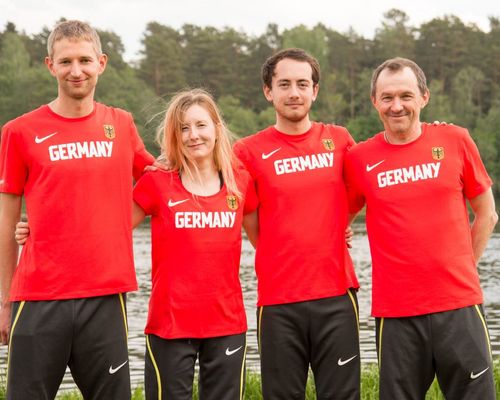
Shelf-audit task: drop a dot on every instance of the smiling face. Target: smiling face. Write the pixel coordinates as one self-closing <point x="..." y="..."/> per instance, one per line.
<point x="198" y="134"/>
<point x="399" y="101"/>
<point x="292" y="91"/>
<point x="76" y="66"/>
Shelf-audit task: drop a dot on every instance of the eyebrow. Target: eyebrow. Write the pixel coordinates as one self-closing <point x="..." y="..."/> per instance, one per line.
<point x="290" y="80"/>
<point x="406" y="92"/>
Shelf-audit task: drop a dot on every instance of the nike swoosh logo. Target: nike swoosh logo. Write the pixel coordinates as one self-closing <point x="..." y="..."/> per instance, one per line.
<point x="341" y="362"/>
<point x="175" y="203"/>
<point x="43" y="139"/>
<point x="370" y="167"/>
<point x="114" y="370"/>
<point x="475" y="376"/>
<point x="230" y="352"/>
<point x="266" y="156"/>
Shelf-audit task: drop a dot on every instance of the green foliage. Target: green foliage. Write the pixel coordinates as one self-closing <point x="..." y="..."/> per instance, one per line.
<point x="364" y="126"/>
<point x="466" y="93"/>
<point x="24" y="87"/>
<point x="461" y="61"/>
<point x="122" y="88"/>
<point x="440" y="105"/>
<point x="161" y="66"/>
<point x="240" y="121"/>
<point x="395" y="38"/>
<point x="487" y="137"/>
<point x="314" y="41"/>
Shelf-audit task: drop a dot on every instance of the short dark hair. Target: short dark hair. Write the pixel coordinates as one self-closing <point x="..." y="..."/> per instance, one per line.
<point x="397" y="64"/>
<point x="296" y="54"/>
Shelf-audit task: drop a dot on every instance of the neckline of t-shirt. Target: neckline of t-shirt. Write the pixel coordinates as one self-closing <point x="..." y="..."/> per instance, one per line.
<point x="289" y="137"/>
<point x="199" y="196"/>
<point x="62" y="118"/>
<point x="401" y="145"/>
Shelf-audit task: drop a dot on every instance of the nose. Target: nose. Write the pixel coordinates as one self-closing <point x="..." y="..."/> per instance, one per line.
<point x="294" y="91"/>
<point x="193" y="133"/>
<point x="396" y="105"/>
<point x="76" y="70"/>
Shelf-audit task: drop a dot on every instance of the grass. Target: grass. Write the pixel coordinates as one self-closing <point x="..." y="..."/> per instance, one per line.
<point x="369" y="387"/>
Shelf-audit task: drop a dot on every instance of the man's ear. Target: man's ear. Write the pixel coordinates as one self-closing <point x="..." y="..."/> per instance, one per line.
<point x="103" y="61"/>
<point x="425" y="98"/>
<point x="49" y="62"/>
<point x="315" y="91"/>
<point x="267" y="93"/>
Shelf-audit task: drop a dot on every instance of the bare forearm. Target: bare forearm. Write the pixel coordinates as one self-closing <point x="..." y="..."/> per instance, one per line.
<point x="352" y="217"/>
<point x="481" y="230"/>
<point x="10" y="211"/>
<point x="251" y="226"/>
<point x="485" y="219"/>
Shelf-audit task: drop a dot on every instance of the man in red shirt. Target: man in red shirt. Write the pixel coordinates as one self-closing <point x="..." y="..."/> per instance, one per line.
<point x="307" y="310"/>
<point x="415" y="179"/>
<point x="73" y="161"/>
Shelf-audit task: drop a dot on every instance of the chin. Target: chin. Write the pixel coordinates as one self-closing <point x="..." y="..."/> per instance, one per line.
<point x="295" y="117"/>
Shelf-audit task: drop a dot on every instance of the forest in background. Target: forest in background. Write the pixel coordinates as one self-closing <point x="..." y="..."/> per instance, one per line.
<point x="461" y="62"/>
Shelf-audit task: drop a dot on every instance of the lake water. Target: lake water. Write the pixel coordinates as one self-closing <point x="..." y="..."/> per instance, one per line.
<point x="489" y="269"/>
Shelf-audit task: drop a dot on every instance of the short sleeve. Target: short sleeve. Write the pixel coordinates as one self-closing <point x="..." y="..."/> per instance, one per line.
<point x="475" y="176"/>
<point x="355" y="197"/>
<point x="145" y="193"/>
<point x="350" y="141"/>
<point x="13" y="167"/>
<point x="142" y="158"/>
<point x="241" y="153"/>
<point x="251" y="199"/>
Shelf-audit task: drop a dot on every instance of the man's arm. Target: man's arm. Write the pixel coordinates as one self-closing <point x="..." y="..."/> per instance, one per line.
<point x="10" y="213"/>
<point x="251" y="225"/>
<point x="351" y="217"/>
<point x="138" y="215"/>
<point x="485" y="219"/>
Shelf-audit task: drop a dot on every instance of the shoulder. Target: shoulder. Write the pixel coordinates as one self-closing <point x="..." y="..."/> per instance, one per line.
<point x="25" y="119"/>
<point x="255" y="138"/>
<point x="340" y="136"/>
<point x="366" y="146"/>
<point x="334" y="129"/>
<point x="447" y="131"/>
<point x="115" y="112"/>
<point x="241" y="174"/>
<point x="248" y="147"/>
<point x="158" y="176"/>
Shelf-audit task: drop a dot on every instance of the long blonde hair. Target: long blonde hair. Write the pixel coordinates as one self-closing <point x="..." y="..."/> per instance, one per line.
<point x="170" y="140"/>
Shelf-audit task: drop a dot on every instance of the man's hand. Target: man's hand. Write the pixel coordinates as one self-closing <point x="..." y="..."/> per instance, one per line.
<point x="5" y="316"/>
<point x="348" y="237"/>
<point x="158" y="165"/>
<point x="22" y="232"/>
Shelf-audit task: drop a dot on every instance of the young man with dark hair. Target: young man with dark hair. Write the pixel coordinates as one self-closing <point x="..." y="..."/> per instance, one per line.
<point x="73" y="161"/>
<point x="415" y="180"/>
<point x="307" y="308"/>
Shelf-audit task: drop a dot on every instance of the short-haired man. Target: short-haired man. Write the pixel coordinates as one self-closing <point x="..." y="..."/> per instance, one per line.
<point x="415" y="179"/>
<point x="307" y="311"/>
<point x="73" y="161"/>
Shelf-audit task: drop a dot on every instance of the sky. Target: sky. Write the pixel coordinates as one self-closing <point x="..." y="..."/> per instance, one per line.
<point x="128" y="18"/>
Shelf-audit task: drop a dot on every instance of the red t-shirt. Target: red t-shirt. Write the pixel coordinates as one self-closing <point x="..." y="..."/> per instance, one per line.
<point x="196" y="246"/>
<point x="301" y="252"/>
<point x="417" y="219"/>
<point x="76" y="176"/>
